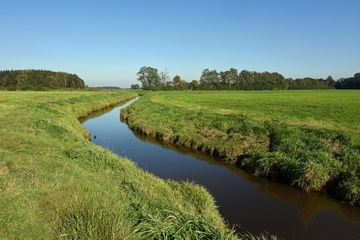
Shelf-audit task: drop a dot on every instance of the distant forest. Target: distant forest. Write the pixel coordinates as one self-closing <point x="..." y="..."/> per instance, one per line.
<point x="231" y="79"/>
<point x="38" y="80"/>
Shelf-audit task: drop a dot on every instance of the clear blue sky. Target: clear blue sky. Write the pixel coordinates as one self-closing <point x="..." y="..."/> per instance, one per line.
<point x="107" y="42"/>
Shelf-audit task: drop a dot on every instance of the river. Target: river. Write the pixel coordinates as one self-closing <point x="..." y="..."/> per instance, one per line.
<point x="252" y="204"/>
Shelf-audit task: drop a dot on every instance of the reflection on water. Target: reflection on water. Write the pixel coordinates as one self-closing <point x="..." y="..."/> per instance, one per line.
<point x="308" y="205"/>
<point x="254" y="204"/>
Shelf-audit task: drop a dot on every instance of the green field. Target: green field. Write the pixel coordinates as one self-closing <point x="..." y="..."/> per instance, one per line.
<point x="309" y="139"/>
<point x="56" y="184"/>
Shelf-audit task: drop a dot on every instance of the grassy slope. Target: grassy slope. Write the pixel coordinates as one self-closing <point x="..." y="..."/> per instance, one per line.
<point x="54" y="183"/>
<point x="309" y="139"/>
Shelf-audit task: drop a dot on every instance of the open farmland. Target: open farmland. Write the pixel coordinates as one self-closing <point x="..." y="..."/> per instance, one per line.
<point x="56" y="184"/>
<point x="309" y="139"/>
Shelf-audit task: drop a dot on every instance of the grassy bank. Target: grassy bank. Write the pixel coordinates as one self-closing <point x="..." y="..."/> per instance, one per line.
<point x="309" y="139"/>
<point x="55" y="184"/>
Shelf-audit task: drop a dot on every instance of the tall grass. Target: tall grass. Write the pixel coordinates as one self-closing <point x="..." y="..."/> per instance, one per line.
<point x="309" y="139"/>
<point x="55" y="184"/>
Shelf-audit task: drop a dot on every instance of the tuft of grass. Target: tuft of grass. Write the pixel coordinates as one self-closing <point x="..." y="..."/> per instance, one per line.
<point x="90" y="219"/>
<point x="170" y="224"/>
<point x="263" y="236"/>
<point x="349" y="186"/>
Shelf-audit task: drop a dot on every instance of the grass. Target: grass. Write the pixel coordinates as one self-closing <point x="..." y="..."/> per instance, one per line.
<point x="55" y="184"/>
<point x="308" y="139"/>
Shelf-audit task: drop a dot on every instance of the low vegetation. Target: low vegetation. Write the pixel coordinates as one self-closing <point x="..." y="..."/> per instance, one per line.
<point x="56" y="184"/>
<point x="309" y="139"/>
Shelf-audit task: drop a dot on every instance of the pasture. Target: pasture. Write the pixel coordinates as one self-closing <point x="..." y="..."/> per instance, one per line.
<point x="56" y="184"/>
<point x="309" y="139"/>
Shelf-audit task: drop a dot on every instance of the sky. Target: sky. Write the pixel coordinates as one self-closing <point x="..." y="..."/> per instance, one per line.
<point x="106" y="42"/>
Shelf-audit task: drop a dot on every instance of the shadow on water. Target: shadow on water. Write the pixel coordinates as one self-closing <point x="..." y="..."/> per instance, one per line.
<point x="256" y="205"/>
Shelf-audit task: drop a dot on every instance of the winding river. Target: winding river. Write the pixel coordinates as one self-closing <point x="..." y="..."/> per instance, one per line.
<point x="252" y="204"/>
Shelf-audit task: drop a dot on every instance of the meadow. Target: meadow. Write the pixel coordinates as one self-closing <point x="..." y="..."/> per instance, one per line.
<point x="56" y="184"/>
<point x="308" y="139"/>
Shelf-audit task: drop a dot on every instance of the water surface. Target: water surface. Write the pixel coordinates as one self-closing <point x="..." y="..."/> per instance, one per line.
<point x="255" y="205"/>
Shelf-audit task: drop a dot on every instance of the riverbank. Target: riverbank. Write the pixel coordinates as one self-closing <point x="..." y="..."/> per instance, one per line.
<point x="309" y="139"/>
<point x="55" y="183"/>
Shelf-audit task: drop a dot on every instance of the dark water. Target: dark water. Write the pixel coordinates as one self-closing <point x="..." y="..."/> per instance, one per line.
<point x="255" y="205"/>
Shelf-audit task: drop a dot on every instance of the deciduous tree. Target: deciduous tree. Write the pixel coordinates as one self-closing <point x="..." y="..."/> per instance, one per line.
<point x="149" y="78"/>
<point x="229" y="78"/>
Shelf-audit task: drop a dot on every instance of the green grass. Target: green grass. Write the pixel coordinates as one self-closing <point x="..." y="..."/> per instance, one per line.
<point x="309" y="139"/>
<point x="55" y="184"/>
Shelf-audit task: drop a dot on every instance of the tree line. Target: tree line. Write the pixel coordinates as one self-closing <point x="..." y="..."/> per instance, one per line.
<point x="38" y="80"/>
<point x="349" y="83"/>
<point x="151" y="79"/>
